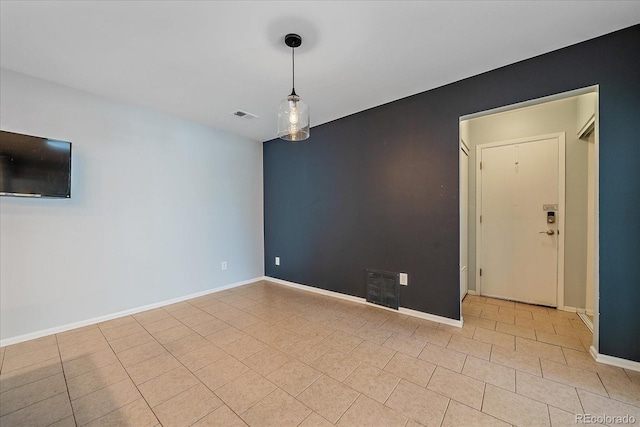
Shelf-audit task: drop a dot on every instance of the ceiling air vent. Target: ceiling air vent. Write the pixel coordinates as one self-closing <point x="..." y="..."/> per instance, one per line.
<point x="244" y="115"/>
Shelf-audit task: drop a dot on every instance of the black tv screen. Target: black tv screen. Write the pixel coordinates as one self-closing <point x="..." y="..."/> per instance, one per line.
<point x="31" y="166"/>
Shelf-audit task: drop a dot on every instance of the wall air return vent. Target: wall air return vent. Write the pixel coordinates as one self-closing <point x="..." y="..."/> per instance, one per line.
<point x="383" y="288"/>
<point x="244" y="115"/>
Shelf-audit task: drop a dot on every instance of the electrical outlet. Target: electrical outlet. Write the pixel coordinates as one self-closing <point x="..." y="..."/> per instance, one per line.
<point x="223" y="265"/>
<point x="404" y="279"/>
<point x="277" y="260"/>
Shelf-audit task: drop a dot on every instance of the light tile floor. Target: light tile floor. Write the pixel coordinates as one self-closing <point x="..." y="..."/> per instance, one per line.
<point x="268" y="355"/>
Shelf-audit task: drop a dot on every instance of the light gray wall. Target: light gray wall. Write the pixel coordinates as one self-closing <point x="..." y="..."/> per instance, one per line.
<point x="156" y="204"/>
<point x="557" y="116"/>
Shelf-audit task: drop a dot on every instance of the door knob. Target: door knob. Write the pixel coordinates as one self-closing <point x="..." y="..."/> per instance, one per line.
<point x="548" y="232"/>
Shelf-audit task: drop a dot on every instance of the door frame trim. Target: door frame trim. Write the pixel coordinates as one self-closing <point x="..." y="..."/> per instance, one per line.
<point x="561" y="136"/>
<point x="464" y="208"/>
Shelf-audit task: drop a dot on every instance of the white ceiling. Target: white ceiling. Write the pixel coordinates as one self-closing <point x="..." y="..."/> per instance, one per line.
<point x="201" y="60"/>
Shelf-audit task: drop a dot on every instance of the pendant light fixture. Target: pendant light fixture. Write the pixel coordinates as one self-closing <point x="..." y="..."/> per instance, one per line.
<point x="293" y="114"/>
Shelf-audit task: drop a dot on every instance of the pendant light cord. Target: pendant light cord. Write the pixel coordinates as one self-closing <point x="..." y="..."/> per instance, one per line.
<point x="293" y="72"/>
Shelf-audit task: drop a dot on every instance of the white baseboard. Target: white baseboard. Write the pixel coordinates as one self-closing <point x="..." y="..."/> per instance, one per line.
<point x="58" y="329"/>
<point x="614" y="361"/>
<point x="471" y="292"/>
<point x="407" y="311"/>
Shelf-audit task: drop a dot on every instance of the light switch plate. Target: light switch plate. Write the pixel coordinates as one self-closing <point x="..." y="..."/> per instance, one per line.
<point x="277" y="260"/>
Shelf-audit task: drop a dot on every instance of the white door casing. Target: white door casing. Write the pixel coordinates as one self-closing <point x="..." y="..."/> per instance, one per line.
<point x="464" y="215"/>
<point x="519" y="260"/>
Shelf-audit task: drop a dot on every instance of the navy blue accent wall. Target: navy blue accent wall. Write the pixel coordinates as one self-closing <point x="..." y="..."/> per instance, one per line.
<point x="379" y="189"/>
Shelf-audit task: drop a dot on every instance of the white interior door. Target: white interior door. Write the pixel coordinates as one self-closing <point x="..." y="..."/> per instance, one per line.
<point x="519" y="186"/>
<point x="464" y="224"/>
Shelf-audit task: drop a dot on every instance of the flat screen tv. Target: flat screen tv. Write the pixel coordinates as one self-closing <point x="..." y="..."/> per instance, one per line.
<point x="31" y="166"/>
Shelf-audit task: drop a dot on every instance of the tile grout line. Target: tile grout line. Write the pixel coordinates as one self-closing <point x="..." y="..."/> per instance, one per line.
<point x="354" y="401"/>
<point x="548" y="414"/>
<point x="444" y="414"/>
<point x="64" y="375"/>
<point x="307" y="417"/>
<point x="603" y="386"/>
<point x="494" y="416"/>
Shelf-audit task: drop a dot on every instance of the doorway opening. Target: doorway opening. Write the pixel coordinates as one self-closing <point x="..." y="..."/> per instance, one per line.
<point x="574" y="114"/>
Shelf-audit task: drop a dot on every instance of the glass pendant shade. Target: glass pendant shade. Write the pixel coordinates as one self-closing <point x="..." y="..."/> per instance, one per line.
<point x="293" y="119"/>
